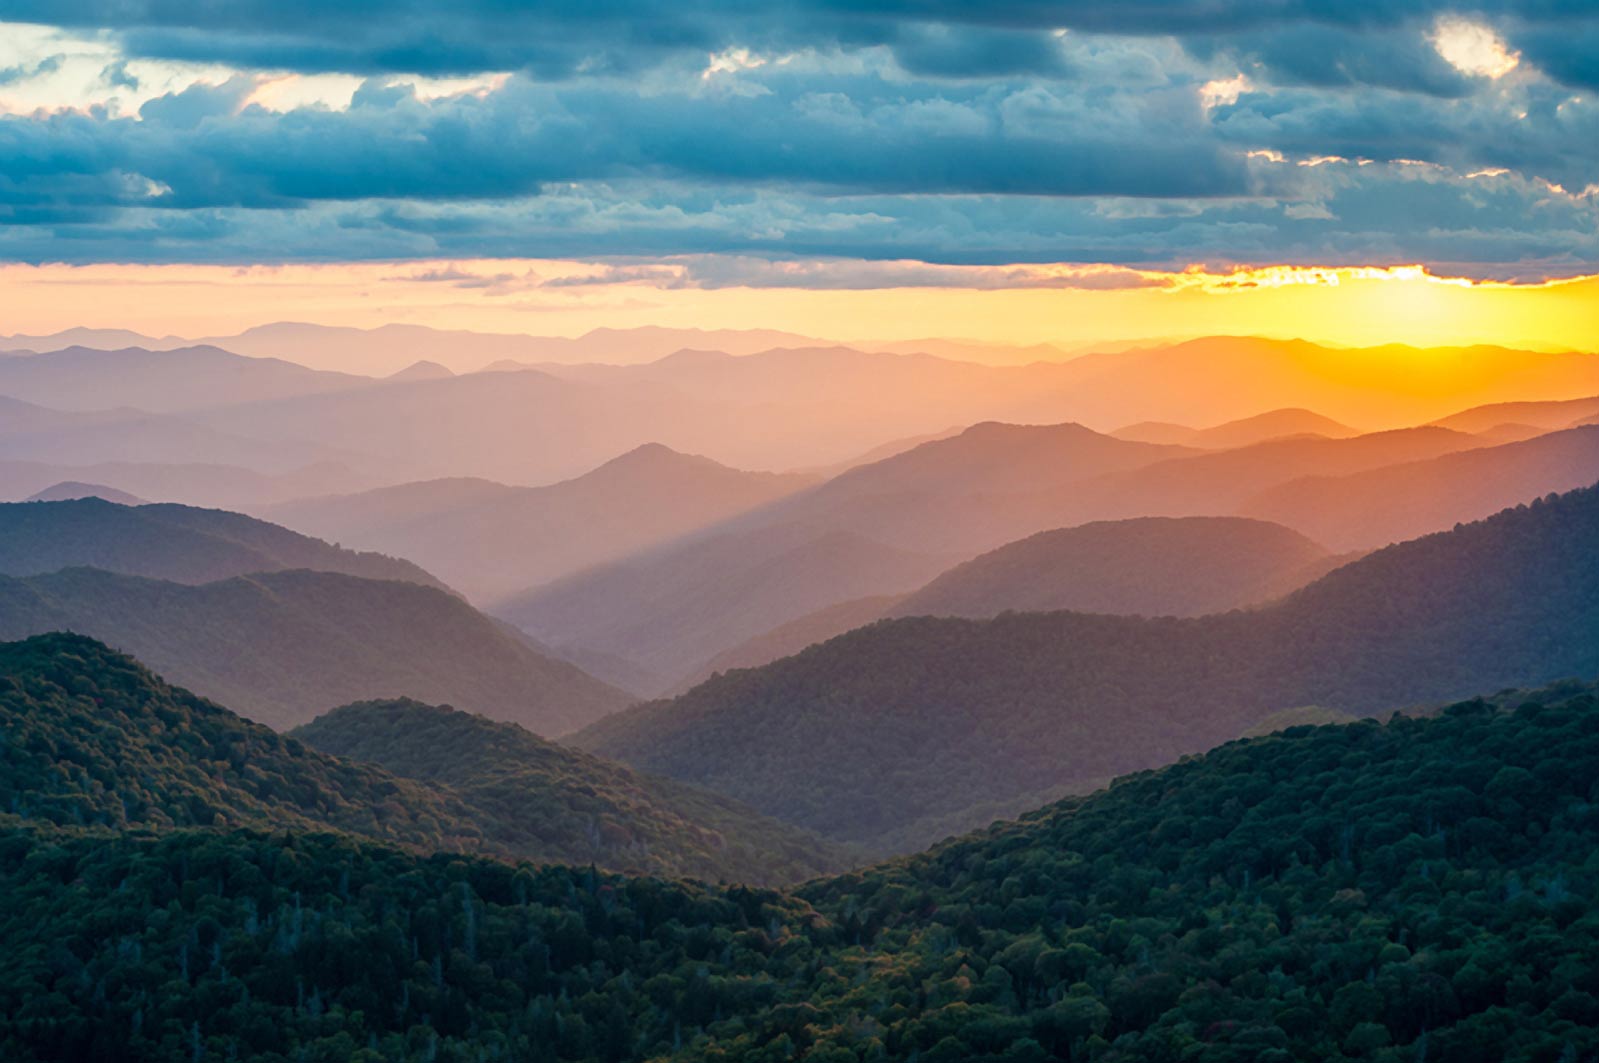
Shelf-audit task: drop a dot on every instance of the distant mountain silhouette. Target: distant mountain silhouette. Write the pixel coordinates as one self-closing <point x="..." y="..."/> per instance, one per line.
<point x="70" y="490"/>
<point x="1151" y="566"/>
<point x="1219" y="482"/>
<point x="29" y="432"/>
<point x="1402" y="501"/>
<point x="490" y="540"/>
<point x="185" y="378"/>
<point x="280" y="647"/>
<point x="423" y="370"/>
<point x="380" y="351"/>
<point x="106" y="339"/>
<point x="1273" y="424"/>
<point x="817" y="406"/>
<point x="193" y="484"/>
<point x="912" y="721"/>
<point x="171" y="542"/>
<point x="1548" y="416"/>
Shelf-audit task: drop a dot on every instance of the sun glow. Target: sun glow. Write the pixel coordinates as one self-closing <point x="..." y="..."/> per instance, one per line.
<point x="1472" y="48"/>
<point x="1068" y="304"/>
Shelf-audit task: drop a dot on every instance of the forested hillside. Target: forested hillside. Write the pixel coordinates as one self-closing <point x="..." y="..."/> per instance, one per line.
<point x="172" y="542"/>
<point x="1420" y="889"/>
<point x="90" y="738"/>
<point x="93" y="739"/>
<point x="869" y="735"/>
<point x="281" y="647"/>
<point x="533" y="796"/>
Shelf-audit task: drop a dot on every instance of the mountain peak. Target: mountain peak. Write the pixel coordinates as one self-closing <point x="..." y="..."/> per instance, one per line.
<point x="421" y="370"/>
<point x="655" y="458"/>
<point x="76" y="490"/>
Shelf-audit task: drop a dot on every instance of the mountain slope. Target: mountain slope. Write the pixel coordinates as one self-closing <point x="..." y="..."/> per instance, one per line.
<point x="665" y="612"/>
<point x="533" y="796"/>
<point x="280" y="647"/>
<point x="1403" y="501"/>
<point x="920" y="719"/>
<point x="94" y="739"/>
<point x="491" y="540"/>
<point x="1154" y="566"/>
<point x="785" y="640"/>
<point x="172" y="542"/>
<point x="883" y="528"/>
<point x="1388" y="892"/>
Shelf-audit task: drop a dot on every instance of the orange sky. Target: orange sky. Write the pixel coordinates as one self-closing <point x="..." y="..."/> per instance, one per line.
<point x="539" y="297"/>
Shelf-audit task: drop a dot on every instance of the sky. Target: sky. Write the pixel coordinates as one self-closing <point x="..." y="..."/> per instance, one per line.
<point x="1014" y="171"/>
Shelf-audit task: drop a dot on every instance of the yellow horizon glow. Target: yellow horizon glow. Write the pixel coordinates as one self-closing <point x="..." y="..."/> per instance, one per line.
<point x="1346" y="306"/>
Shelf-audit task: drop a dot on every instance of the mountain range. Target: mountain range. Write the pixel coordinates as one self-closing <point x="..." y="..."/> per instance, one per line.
<point x="389" y="349"/>
<point x="489" y="540"/>
<point x="771" y="408"/>
<point x="902" y="731"/>
<point x="891" y="526"/>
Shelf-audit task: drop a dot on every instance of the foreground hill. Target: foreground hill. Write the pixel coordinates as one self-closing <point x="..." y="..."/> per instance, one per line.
<point x="1152" y="566"/>
<point x="94" y="739"/>
<point x="491" y="540"/>
<point x="172" y="542"/>
<point x="1385" y="892"/>
<point x="912" y="721"/>
<point x="1402" y="501"/>
<point x="281" y="647"/>
<point x="533" y="796"/>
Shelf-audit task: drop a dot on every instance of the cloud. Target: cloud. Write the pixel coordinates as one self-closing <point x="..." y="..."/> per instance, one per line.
<point x="950" y="136"/>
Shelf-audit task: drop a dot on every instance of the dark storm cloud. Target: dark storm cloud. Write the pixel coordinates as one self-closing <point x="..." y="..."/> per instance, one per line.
<point x="1148" y="133"/>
